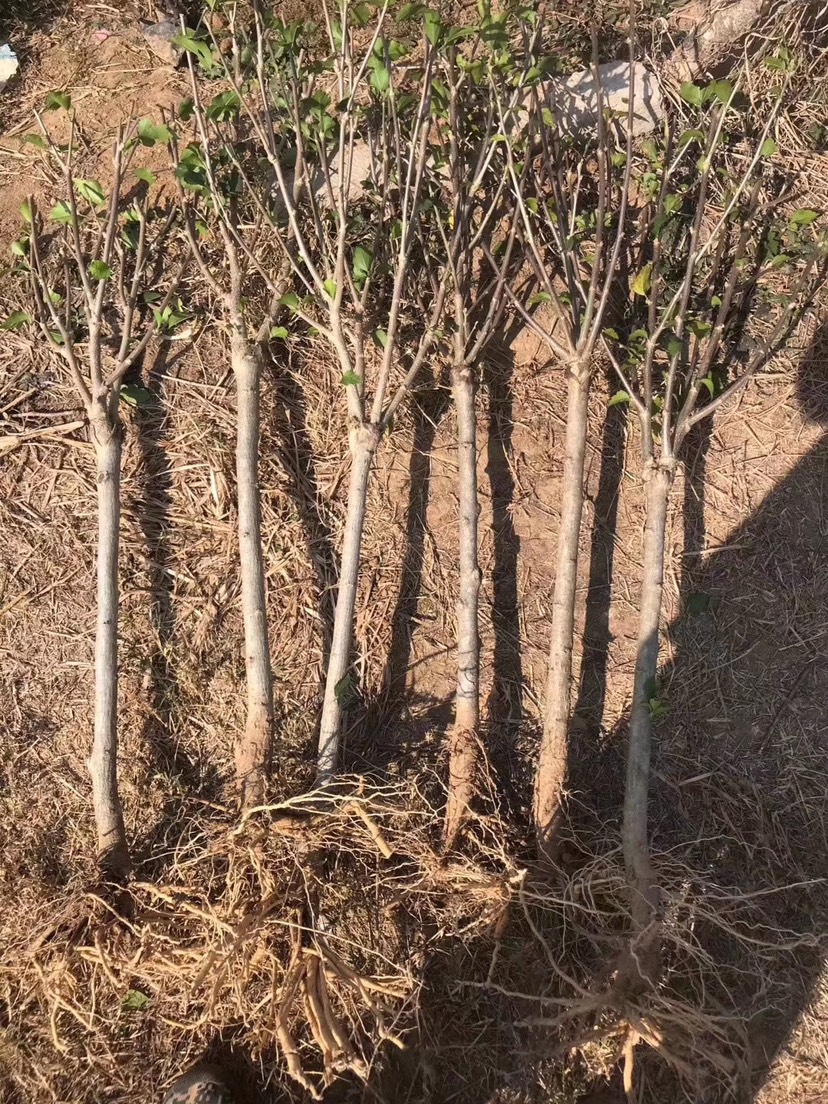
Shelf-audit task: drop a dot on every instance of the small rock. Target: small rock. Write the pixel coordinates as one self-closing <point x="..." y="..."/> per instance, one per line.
<point x="159" y="37"/>
<point x="8" y="64"/>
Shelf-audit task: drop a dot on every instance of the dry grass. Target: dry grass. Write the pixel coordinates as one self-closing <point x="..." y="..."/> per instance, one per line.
<point x="465" y="962"/>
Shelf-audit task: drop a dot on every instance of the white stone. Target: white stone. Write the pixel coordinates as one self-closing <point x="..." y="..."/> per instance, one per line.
<point x="8" y="64"/>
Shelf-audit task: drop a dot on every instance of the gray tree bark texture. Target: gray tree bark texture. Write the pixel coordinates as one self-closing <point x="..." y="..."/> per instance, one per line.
<point x="554" y="748"/>
<point x="463" y="744"/>
<point x="254" y="748"/>
<point x="635" y="833"/>
<point x="364" y="441"/>
<point x="113" y="854"/>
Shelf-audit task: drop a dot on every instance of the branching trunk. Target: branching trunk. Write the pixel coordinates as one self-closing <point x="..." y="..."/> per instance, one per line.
<point x="463" y="743"/>
<point x="635" y="832"/>
<point x="113" y="854"/>
<point x="254" y="749"/>
<point x="554" y="749"/>
<point x="364" y="442"/>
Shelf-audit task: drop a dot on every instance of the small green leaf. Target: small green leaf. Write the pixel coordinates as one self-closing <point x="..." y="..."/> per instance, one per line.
<point x="540" y="297"/>
<point x="279" y="333"/>
<point x="100" y="270"/>
<point x="690" y="136"/>
<point x="186" y="109"/>
<point x="134" y="395"/>
<point x="291" y="301"/>
<point x="147" y="175"/>
<point x="20" y="248"/>
<point x="618" y="398"/>
<point x="643" y="282"/>
<point x="347" y="690"/>
<point x="135" y="1000"/>
<point x="804" y="217"/>
<point x="149" y="132"/>
<point x="330" y="288"/>
<point x="16" y="321"/>
<point x="91" y="191"/>
<point x="721" y="90"/>
<point x="62" y="213"/>
<point x="350" y="379"/>
<point x="381" y="337"/>
<point x="26" y="211"/>
<point x="433" y="26"/>
<point x="532" y="205"/>
<point x="610" y="332"/>
<point x="224" y="107"/>
<point x="548" y="117"/>
<point x="692" y="94"/>
<point x="410" y="11"/>
<point x="56" y="100"/>
<point x="361" y="266"/>
<point x="715" y="301"/>
<point x="36" y="141"/>
<point x="710" y="384"/>
<point x="769" y="148"/>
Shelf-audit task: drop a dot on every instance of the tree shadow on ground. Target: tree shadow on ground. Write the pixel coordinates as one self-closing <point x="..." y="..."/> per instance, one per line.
<point x="738" y="789"/>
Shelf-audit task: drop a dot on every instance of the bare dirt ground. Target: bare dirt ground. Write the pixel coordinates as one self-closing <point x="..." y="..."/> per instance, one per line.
<point x="742" y="757"/>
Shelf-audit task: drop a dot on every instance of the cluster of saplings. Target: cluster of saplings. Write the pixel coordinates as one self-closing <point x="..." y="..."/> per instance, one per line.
<point x="395" y="188"/>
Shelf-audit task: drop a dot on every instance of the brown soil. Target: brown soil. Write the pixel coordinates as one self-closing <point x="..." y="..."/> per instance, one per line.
<point x="742" y="756"/>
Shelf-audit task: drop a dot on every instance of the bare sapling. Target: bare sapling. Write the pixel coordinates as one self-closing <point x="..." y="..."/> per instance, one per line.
<point x="573" y="212"/>
<point x="478" y="197"/>
<point x="350" y="127"/>
<point x="720" y="280"/>
<point x="224" y="228"/>
<point x="90" y="267"/>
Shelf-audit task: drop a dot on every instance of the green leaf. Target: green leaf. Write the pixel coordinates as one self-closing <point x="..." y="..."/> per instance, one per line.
<point x="350" y="379"/>
<point x="690" y="136"/>
<point x="715" y="301"/>
<point x="100" y="270"/>
<point x="347" y="690"/>
<point x="804" y="217"/>
<point x="433" y="26"/>
<point x="26" y="211"/>
<point x="280" y="333"/>
<point x="610" y="332"/>
<point x="135" y="1000"/>
<point x="540" y="297"/>
<point x="62" y="213"/>
<point x="291" y="301"/>
<point x="361" y="265"/>
<point x="36" y="141"/>
<point x="330" y="288"/>
<point x="410" y="11"/>
<point x="91" y="191"/>
<point x="769" y="148"/>
<point x="692" y="94"/>
<point x="149" y="132"/>
<point x="199" y="49"/>
<point x="618" y="398"/>
<point x="20" y="248"/>
<point x="548" y="117"/>
<point x="381" y="337"/>
<point x="721" y="90"/>
<point x="16" y="321"/>
<point x="643" y="282"/>
<point x="134" y="395"/>
<point x="147" y="175"/>
<point x="56" y="100"/>
<point x="710" y="384"/>
<point x="224" y="107"/>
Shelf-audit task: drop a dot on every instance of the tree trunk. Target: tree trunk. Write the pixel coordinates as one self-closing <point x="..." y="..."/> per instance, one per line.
<point x="463" y="743"/>
<point x="364" y="442"/>
<point x="254" y="749"/>
<point x="554" y="749"/>
<point x="113" y="853"/>
<point x="640" y="877"/>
